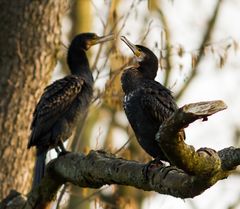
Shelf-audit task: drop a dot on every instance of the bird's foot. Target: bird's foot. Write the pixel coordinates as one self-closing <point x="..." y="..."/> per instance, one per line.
<point x="166" y="169"/>
<point x="151" y="165"/>
<point x="61" y="152"/>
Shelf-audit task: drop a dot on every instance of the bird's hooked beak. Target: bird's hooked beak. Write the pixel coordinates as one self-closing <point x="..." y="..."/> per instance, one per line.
<point x="136" y="51"/>
<point x="99" y="39"/>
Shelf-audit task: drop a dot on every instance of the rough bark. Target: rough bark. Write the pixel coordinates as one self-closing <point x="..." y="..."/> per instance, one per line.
<point x="29" y="39"/>
<point x="83" y="171"/>
<point x="203" y="168"/>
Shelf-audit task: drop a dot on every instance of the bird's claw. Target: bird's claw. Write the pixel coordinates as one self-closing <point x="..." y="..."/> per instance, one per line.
<point x="166" y="169"/>
<point x="151" y="165"/>
<point x="64" y="152"/>
<point x="61" y="151"/>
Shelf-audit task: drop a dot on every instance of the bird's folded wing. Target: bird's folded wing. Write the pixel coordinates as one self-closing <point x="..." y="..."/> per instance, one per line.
<point x="159" y="104"/>
<point x="56" y="99"/>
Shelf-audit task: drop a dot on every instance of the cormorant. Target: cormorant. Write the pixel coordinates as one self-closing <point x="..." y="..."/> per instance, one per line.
<point x="147" y="103"/>
<point x="63" y="102"/>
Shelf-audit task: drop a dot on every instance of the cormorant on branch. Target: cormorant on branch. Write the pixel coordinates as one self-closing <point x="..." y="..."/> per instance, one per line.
<point x="147" y="103"/>
<point x="63" y="102"/>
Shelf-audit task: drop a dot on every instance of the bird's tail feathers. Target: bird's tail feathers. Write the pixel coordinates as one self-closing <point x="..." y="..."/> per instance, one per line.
<point x="39" y="169"/>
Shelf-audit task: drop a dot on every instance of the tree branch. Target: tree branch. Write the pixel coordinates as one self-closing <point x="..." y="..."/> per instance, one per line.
<point x="196" y="171"/>
<point x="203" y="162"/>
<point x="165" y="45"/>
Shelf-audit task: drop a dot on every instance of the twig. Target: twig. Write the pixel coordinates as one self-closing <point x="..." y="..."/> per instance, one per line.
<point x="206" y="38"/>
<point x="63" y="190"/>
<point x="168" y="43"/>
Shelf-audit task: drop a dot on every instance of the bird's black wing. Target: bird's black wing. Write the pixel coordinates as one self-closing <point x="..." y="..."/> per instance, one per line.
<point x="56" y="99"/>
<point x="157" y="101"/>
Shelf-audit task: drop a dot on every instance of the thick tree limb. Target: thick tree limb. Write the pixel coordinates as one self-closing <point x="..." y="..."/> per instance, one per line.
<point x="84" y="170"/>
<point x="230" y="158"/>
<point x="202" y="162"/>
<point x="199" y="170"/>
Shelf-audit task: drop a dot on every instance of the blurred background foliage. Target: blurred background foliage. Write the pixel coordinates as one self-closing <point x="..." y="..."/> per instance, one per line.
<point x="105" y="126"/>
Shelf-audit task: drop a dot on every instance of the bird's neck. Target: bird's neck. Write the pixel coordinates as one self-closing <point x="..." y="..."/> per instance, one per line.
<point x="78" y="63"/>
<point x="148" y="70"/>
<point x="131" y="78"/>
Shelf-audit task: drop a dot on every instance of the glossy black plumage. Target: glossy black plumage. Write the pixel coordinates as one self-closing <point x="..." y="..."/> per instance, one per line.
<point x="63" y="102"/>
<point x="147" y="103"/>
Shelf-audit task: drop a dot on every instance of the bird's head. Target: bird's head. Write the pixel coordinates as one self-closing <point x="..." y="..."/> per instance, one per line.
<point x="147" y="60"/>
<point x="86" y="40"/>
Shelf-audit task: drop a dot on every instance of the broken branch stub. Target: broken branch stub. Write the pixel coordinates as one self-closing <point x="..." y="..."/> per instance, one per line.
<point x="202" y="162"/>
<point x="204" y="109"/>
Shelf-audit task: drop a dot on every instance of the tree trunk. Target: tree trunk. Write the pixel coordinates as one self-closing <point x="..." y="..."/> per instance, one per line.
<point x="29" y="39"/>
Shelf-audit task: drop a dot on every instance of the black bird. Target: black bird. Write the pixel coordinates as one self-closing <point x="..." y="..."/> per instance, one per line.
<point x="63" y="102"/>
<point x="147" y="103"/>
